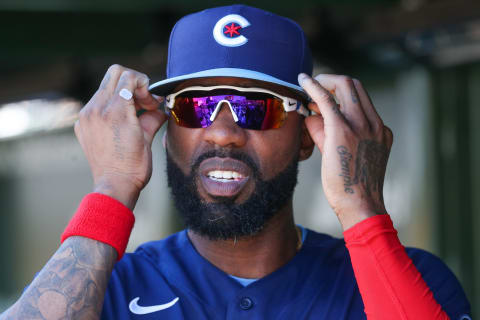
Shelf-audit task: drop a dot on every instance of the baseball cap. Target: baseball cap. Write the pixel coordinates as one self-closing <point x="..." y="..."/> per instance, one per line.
<point x="236" y="41"/>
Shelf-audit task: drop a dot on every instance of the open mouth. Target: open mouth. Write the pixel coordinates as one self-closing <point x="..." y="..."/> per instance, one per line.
<point x="223" y="177"/>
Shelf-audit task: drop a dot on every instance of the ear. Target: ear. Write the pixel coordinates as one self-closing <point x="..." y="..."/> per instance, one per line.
<point x="307" y="144"/>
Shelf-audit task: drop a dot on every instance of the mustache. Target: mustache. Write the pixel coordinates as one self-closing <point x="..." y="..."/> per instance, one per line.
<point x="227" y="153"/>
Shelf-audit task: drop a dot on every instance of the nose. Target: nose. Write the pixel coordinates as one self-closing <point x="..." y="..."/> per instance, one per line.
<point x="224" y="132"/>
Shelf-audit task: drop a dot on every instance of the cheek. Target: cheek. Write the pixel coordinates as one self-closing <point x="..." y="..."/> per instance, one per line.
<point x="276" y="148"/>
<point x="181" y="144"/>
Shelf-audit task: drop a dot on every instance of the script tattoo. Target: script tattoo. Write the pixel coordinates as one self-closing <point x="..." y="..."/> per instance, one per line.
<point x="345" y="158"/>
<point x="72" y="284"/>
<point x="370" y="165"/>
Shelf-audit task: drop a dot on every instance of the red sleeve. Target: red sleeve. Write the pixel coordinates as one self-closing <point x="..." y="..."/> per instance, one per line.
<point x="390" y="284"/>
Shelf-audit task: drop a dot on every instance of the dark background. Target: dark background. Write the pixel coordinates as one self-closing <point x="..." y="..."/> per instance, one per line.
<point x="60" y="49"/>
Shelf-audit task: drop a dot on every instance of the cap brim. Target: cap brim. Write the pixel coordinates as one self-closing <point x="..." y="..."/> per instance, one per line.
<point x="166" y="86"/>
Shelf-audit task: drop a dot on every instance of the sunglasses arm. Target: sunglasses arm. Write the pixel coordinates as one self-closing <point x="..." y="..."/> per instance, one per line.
<point x="291" y="104"/>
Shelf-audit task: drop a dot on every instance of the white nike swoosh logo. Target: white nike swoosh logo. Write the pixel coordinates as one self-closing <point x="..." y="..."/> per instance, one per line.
<point x="135" y="308"/>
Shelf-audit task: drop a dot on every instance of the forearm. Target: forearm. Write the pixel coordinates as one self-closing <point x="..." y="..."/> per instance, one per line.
<point x="72" y="284"/>
<point x="390" y="284"/>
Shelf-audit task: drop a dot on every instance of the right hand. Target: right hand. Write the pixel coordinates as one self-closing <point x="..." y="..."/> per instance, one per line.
<point x="355" y="146"/>
<point x="116" y="142"/>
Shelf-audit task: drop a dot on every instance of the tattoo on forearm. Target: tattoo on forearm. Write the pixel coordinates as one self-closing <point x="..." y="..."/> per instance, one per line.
<point x="72" y="284"/>
<point x="370" y="165"/>
<point x="345" y="158"/>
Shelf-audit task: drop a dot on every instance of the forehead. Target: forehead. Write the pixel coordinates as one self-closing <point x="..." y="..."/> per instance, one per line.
<point x="239" y="82"/>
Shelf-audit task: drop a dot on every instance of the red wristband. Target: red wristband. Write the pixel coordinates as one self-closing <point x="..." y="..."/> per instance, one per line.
<point x="102" y="218"/>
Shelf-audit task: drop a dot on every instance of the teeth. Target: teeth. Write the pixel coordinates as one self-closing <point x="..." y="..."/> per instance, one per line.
<point x="218" y="174"/>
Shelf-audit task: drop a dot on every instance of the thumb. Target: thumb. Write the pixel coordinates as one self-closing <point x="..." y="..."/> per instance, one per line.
<point x="151" y="122"/>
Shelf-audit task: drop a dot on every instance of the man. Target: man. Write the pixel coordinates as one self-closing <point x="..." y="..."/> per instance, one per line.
<point x="237" y="126"/>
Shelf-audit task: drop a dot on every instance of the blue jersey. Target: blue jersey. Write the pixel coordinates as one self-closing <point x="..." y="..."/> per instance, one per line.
<point x="168" y="279"/>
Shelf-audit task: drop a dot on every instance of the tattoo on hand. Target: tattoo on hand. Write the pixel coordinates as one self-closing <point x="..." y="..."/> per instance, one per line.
<point x="370" y="165"/>
<point x="345" y="158"/>
<point x="119" y="146"/>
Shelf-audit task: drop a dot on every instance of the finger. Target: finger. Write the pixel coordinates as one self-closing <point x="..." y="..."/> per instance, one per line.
<point x="151" y="122"/>
<point x="110" y="79"/>
<point x="158" y="98"/>
<point x="122" y="97"/>
<point x="98" y="102"/>
<point x="145" y="100"/>
<point x="324" y="102"/>
<point x="375" y="121"/>
<point x="312" y="106"/>
<point x="347" y="94"/>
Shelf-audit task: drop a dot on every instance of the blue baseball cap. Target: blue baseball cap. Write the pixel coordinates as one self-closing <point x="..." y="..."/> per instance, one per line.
<point x="236" y="41"/>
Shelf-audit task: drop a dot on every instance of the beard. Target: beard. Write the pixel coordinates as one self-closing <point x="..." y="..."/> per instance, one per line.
<point x="225" y="219"/>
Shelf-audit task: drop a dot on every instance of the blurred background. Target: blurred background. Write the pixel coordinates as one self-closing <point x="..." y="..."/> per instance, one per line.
<point x="419" y="60"/>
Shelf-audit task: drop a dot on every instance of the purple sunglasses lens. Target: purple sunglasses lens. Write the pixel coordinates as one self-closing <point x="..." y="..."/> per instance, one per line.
<point x="250" y="113"/>
<point x="257" y="111"/>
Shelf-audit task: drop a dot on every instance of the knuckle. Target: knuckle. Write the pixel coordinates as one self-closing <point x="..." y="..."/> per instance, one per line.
<point x="377" y="128"/>
<point x="327" y="98"/>
<point x="388" y="135"/>
<point x="101" y="93"/>
<point x="84" y="113"/>
<point x="344" y="78"/>
<point x="128" y="76"/>
<point x="309" y="81"/>
<point x="141" y="75"/>
<point x="114" y="68"/>
<point x="364" y="126"/>
<point x="388" y="132"/>
<point x="105" y="114"/>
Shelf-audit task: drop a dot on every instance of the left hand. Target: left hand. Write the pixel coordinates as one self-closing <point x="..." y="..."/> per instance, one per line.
<point x="354" y="143"/>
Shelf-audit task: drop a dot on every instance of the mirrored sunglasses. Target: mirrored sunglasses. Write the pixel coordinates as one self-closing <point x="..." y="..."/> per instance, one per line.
<point x="251" y="108"/>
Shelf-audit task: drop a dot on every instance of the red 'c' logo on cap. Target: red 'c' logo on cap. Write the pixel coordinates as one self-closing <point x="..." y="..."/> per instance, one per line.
<point x="232" y="29"/>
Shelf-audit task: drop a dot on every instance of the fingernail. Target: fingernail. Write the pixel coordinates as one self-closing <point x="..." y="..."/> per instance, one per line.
<point x="158" y="98"/>
<point x="302" y="77"/>
<point x="144" y="81"/>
